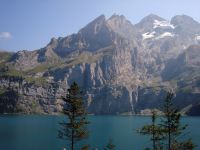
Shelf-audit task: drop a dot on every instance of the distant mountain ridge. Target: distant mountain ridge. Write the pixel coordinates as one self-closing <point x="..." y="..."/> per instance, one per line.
<point x="121" y="67"/>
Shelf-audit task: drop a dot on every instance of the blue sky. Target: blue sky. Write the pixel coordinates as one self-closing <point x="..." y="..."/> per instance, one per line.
<point x="30" y="24"/>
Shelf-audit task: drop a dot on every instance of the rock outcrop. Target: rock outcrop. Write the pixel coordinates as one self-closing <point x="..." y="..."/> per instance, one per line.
<point x="121" y="67"/>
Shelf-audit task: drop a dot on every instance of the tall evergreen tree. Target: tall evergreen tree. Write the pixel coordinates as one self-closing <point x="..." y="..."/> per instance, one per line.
<point x="75" y="128"/>
<point x="172" y="128"/>
<point x="154" y="131"/>
<point x="169" y="132"/>
<point x="110" y="145"/>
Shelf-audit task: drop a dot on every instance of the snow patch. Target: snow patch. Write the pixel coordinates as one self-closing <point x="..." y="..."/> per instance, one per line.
<point x="198" y="37"/>
<point x="184" y="47"/>
<point x="166" y="34"/>
<point x="158" y="24"/>
<point x="148" y="35"/>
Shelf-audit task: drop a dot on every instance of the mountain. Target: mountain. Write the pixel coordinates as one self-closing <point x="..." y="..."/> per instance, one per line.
<point x="185" y="24"/>
<point x="121" y="67"/>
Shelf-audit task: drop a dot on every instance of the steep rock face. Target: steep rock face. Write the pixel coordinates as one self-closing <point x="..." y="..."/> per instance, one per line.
<point x="120" y="67"/>
<point x="121" y="26"/>
<point x="112" y="70"/>
<point x="185" y="63"/>
<point x="93" y="32"/>
<point x="195" y="110"/>
<point x="148" y="23"/>
<point x="185" y="25"/>
<point x="29" y="98"/>
<point x="113" y="100"/>
<point x="25" y="60"/>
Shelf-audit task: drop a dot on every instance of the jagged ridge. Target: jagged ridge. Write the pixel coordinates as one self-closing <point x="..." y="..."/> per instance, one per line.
<point x="120" y="66"/>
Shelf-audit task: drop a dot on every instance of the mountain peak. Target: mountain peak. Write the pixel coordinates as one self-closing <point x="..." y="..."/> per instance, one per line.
<point x="117" y="64"/>
<point x="186" y="24"/>
<point x="119" y="24"/>
<point x="100" y="18"/>
<point x="179" y="19"/>
<point x="151" y="17"/>
<point x="115" y="16"/>
<point x="94" y="25"/>
<point x="97" y="20"/>
<point x="150" y="22"/>
<point x="53" y="42"/>
<point x="118" y="20"/>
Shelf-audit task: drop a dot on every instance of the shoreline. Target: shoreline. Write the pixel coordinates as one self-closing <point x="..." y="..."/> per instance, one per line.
<point x="60" y="114"/>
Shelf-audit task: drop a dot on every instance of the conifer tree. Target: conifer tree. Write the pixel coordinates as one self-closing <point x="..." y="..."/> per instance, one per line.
<point x="172" y="128"/>
<point x="110" y="145"/>
<point x="169" y="132"/>
<point x="85" y="147"/>
<point x="154" y="131"/>
<point x="75" y="128"/>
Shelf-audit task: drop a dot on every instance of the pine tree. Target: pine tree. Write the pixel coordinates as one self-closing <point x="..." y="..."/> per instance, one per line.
<point x="110" y="145"/>
<point x="172" y="127"/>
<point x="154" y="131"/>
<point x="75" y="128"/>
<point x="85" y="147"/>
<point x="169" y="132"/>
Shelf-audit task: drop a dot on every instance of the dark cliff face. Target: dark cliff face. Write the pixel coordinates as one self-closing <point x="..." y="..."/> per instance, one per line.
<point x="121" y="67"/>
<point x="185" y="24"/>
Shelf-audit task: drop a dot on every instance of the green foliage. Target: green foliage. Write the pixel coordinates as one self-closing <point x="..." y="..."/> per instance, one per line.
<point x="155" y="131"/>
<point x="36" y="81"/>
<point x="10" y="78"/>
<point x="8" y="100"/>
<point x="110" y="145"/>
<point x="6" y="70"/>
<point x="173" y="83"/>
<point x="35" y="107"/>
<point x="166" y="134"/>
<point x="75" y="128"/>
<point x="9" y="73"/>
<point x="171" y="125"/>
<point x="87" y="57"/>
<point x="186" y="89"/>
<point x="4" y="56"/>
<point x="39" y="68"/>
<point x="85" y="147"/>
<point x="2" y="91"/>
<point x="187" y="145"/>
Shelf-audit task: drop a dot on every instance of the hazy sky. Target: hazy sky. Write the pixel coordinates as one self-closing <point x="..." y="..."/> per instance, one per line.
<point x="30" y="24"/>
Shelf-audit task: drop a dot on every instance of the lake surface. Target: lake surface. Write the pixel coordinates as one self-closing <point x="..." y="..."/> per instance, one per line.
<point x="32" y="132"/>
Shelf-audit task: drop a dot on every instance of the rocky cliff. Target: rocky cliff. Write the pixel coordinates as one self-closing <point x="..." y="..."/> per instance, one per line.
<point x="121" y="67"/>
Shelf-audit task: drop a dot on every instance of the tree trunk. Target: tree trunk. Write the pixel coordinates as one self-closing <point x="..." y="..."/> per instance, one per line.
<point x="169" y="133"/>
<point x="154" y="142"/>
<point x="72" y="140"/>
<point x="169" y="140"/>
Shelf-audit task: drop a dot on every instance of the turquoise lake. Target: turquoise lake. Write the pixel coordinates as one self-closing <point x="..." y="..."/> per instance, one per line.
<point x="32" y="132"/>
